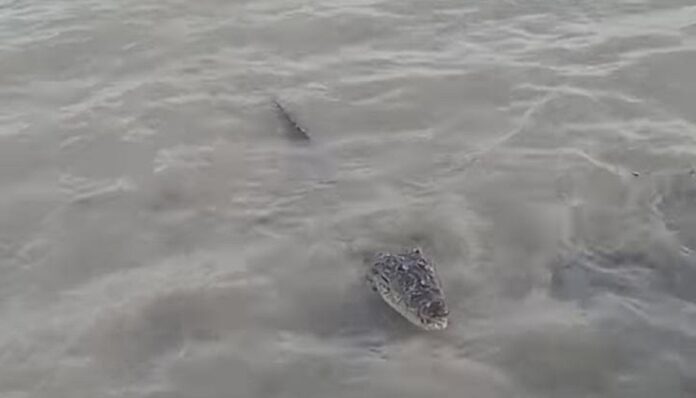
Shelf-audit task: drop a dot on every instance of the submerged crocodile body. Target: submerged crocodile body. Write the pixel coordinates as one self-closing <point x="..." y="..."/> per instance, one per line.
<point x="408" y="282"/>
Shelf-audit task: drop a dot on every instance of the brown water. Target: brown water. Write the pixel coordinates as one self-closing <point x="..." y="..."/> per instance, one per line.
<point x="161" y="237"/>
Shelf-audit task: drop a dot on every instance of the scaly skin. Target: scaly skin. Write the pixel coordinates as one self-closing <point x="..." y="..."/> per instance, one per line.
<point x="409" y="284"/>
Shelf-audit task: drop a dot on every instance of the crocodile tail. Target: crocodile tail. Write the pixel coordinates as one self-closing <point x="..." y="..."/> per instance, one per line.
<point x="298" y="132"/>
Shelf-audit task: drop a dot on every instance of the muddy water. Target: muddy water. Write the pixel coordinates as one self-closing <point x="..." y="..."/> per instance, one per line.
<point x="161" y="237"/>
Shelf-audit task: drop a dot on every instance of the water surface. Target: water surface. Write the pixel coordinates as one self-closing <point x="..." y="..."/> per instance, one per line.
<point x="162" y="238"/>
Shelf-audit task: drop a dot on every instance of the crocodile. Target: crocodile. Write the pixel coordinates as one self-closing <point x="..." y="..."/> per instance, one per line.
<point x="406" y="281"/>
<point x="409" y="283"/>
